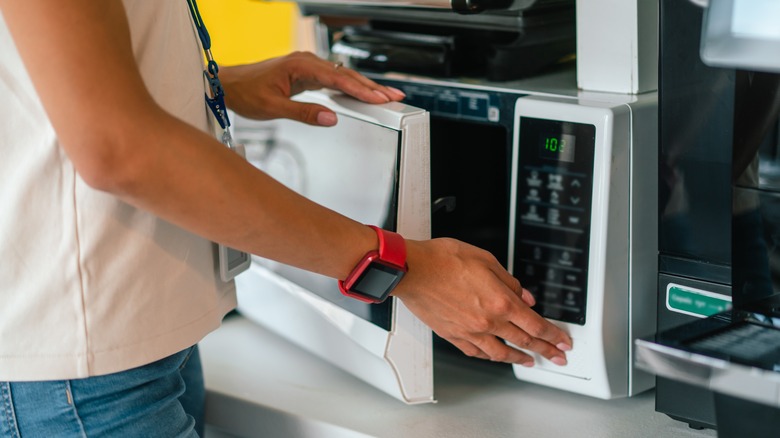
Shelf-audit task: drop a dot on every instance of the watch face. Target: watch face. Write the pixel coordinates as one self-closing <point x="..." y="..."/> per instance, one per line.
<point x="377" y="280"/>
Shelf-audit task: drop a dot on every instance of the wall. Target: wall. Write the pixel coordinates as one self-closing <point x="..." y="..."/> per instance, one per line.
<point x="244" y="31"/>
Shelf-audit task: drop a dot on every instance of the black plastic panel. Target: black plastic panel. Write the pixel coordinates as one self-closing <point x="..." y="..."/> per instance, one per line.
<point x="552" y="240"/>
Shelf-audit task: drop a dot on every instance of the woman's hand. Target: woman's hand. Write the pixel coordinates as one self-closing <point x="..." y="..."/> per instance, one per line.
<point x="263" y="90"/>
<point x="469" y="299"/>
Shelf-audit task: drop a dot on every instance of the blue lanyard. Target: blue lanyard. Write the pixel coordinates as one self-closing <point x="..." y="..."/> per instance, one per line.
<point x="217" y="100"/>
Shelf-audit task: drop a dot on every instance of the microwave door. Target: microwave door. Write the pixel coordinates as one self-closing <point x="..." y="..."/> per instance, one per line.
<point x="373" y="167"/>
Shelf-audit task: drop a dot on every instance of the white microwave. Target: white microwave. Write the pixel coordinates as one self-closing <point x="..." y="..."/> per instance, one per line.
<point x="559" y="185"/>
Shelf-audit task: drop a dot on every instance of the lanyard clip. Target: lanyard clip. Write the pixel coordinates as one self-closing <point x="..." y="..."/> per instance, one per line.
<point x="217" y="100"/>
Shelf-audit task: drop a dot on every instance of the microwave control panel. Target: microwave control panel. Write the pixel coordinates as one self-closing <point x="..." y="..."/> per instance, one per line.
<point x="553" y="211"/>
<point x="583" y="233"/>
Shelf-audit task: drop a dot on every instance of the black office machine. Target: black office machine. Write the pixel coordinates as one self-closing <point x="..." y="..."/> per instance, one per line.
<point x="496" y="40"/>
<point x="717" y="352"/>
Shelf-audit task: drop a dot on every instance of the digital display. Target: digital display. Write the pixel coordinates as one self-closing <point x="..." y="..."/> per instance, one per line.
<point x="557" y="146"/>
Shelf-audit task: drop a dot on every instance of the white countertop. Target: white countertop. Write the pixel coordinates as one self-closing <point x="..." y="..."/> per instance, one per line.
<point x="260" y="385"/>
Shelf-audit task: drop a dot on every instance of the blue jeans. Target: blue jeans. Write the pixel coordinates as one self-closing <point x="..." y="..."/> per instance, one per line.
<point x="148" y="401"/>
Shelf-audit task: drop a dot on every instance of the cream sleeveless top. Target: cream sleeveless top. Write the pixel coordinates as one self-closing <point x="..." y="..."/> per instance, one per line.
<point x="90" y="285"/>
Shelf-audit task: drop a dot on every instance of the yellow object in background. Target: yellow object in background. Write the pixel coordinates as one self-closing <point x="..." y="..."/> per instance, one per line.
<point x="244" y="31"/>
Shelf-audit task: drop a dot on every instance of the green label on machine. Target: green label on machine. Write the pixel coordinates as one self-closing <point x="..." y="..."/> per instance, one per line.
<point x="695" y="302"/>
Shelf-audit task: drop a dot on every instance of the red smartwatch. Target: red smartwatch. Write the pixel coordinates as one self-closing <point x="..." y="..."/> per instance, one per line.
<point x="377" y="274"/>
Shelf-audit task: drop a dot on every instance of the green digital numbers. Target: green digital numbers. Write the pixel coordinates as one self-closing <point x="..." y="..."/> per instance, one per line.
<point x="553" y="144"/>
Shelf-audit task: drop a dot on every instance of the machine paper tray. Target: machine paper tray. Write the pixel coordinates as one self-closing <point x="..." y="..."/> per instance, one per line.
<point x="722" y="376"/>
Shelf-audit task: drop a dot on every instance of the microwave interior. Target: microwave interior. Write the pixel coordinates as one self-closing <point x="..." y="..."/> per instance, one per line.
<point x="469" y="183"/>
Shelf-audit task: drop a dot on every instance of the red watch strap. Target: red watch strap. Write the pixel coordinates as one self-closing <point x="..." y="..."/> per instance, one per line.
<point x="392" y="247"/>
